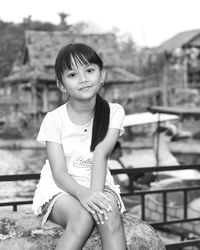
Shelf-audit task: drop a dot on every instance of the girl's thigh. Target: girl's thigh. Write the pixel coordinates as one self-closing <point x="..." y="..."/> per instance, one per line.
<point x="68" y="209"/>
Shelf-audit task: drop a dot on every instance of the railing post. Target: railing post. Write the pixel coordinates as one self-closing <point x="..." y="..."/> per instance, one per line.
<point x="143" y="206"/>
<point x="164" y="206"/>
<point x="14" y="207"/>
<point x="185" y="193"/>
<point x="130" y="184"/>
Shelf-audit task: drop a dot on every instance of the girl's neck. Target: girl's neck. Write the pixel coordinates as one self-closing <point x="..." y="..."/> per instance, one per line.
<point x="83" y="107"/>
<point x="80" y="113"/>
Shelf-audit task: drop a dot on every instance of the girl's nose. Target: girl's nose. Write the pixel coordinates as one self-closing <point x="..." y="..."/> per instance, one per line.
<point x="83" y="77"/>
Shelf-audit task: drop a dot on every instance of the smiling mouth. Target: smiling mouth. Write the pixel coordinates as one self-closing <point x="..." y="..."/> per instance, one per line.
<point x="85" y="88"/>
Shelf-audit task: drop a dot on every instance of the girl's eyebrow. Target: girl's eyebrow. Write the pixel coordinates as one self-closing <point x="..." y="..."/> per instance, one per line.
<point x="73" y="67"/>
<point x="66" y="71"/>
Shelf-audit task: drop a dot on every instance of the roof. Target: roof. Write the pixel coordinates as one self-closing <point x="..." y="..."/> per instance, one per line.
<point x="113" y="75"/>
<point x="179" y="40"/>
<point x="42" y="47"/>
<point x="119" y="75"/>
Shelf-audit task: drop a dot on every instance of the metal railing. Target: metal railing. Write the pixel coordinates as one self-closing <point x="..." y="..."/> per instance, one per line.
<point x="165" y="223"/>
<point x="132" y="172"/>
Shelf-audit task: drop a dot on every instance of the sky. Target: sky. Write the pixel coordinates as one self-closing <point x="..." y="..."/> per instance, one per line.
<point x="149" y="22"/>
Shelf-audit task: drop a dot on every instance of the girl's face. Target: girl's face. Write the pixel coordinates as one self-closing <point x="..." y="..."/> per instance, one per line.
<point x="83" y="81"/>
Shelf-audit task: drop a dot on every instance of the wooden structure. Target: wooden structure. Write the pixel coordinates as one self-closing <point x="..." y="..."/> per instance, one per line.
<point x="33" y="81"/>
<point x="182" y="52"/>
<point x="182" y="112"/>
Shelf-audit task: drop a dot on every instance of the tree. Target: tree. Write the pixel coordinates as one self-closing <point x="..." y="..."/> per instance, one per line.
<point x="11" y="42"/>
<point x="12" y="39"/>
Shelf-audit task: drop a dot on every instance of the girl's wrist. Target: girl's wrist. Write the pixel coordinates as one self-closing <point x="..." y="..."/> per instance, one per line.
<point x="79" y="191"/>
<point x="97" y="187"/>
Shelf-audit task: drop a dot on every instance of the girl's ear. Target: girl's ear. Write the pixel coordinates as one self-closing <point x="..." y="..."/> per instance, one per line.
<point x="103" y="75"/>
<point x="60" y="86"/>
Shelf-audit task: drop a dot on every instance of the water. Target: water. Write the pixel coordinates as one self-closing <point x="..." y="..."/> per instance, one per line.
<point x="27" y="161"/>
<point x="24" y="161"/>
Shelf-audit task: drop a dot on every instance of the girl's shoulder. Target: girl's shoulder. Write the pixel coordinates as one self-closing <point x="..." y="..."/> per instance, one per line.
<point x="56" y="116"/>
<point x="117" y="115"/>
<point x="116" y="107"/>
<point x="58" y="111"/>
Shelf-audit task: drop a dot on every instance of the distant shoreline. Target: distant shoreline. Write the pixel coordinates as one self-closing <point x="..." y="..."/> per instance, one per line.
<point x="183" y="146"/>
<point x="17" y="144"/>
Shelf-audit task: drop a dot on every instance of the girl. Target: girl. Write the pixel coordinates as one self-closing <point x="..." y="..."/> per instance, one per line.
<point x="76" y="189"/>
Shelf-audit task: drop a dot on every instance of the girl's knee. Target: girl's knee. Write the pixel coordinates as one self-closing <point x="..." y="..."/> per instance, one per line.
<point x="81" y="223"/>
<point x="114" y="222"/>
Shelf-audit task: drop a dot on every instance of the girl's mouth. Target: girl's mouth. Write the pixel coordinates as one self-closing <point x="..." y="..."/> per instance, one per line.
<point x="85" y="88"/>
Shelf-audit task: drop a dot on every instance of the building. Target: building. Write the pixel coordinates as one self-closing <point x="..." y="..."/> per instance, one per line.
<point x="183" y="52"/>
<point x="32" y="82"/>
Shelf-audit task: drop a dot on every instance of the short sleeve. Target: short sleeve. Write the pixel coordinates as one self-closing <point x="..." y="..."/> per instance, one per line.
<point x="50" y="129"/>
<point x="117" y="116"/>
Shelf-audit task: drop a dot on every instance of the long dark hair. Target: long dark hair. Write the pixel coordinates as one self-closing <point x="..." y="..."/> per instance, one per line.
<point x="83" y="54"/>
<point x="101" y="121"/>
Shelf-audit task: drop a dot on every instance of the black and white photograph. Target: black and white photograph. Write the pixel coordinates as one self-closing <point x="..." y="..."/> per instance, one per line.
<point x="100" y="125"/>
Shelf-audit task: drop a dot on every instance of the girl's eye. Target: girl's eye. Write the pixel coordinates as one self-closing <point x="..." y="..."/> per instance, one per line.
<point x="90" y="70"/>
<point x="71" y="75"/>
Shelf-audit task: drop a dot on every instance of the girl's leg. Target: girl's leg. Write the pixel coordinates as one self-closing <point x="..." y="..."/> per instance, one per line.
<point x="112" y="232"/>
<point x="78" y="223"/>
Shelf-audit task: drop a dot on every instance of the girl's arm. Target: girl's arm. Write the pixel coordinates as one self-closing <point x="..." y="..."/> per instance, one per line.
<point x="100" y="157"/>
<point x="57" y="162"/>
<point x="92" y="201"/>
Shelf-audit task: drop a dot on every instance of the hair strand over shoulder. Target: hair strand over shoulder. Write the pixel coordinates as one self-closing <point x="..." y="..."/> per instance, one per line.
<point x="101" y="121"/>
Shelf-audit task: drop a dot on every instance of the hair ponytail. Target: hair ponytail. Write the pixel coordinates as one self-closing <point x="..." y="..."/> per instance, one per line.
<point x="101" y="121"/>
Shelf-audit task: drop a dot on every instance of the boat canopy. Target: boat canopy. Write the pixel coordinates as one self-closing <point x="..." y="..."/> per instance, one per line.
<point x="147" y="118"/>
<point x="181" y="111"/>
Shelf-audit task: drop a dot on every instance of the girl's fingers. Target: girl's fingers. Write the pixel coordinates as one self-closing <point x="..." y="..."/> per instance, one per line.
<point x="98" y="203"/>
<point x="102" y="201"/>
<point x="93" y="213"/>
<point x="100" y="218"/>
<point x="103" y="204"/>
<point x="102" y="214"/>
<point x="89" y="209"/>
<point x="105" y="215"/>
<point x="96" y="218"/>
<point x="96" y="208"/>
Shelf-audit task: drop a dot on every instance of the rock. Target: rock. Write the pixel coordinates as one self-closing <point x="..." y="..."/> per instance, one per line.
<point x="22" y="231"/>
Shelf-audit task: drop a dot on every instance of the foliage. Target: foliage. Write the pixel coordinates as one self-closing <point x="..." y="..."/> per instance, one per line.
<point x="79" y="28"/>
<point x="12" y="39"/>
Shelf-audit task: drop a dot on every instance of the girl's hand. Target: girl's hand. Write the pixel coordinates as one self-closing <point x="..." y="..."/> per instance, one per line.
<point x="100" y="217"/>
<point x="96" y="203"/>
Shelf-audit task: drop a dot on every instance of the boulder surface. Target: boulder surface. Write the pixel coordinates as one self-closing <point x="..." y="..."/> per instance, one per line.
<point x="22" y="231"/>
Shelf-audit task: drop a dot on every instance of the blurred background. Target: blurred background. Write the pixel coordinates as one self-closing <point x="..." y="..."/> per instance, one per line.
<point x="151" y="51"/>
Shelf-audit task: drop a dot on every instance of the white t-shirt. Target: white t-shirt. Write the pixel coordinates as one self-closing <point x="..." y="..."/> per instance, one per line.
<point x="75" y="140"/>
